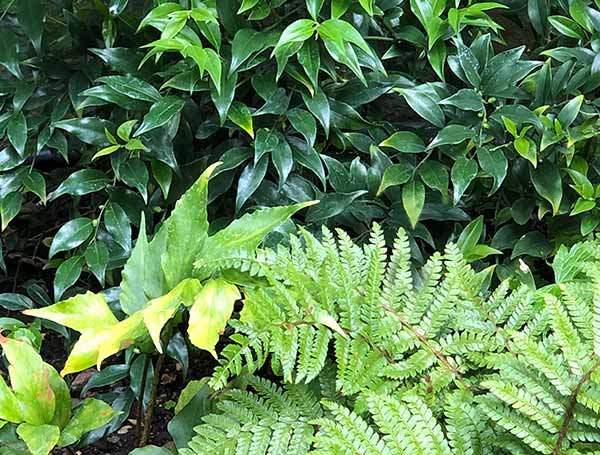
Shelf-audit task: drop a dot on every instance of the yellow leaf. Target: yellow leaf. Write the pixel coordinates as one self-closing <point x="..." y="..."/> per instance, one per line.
<point x="82" y="312"/>
<point x="211" y="310"/>
<point x="159" y="311"/>
<point x="95" y="345"/>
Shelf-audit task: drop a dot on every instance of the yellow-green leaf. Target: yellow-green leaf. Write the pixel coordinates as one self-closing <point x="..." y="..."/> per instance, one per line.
<point x="240" y="114"/>
<point x="91" y="414"/>
<point x="211" y="310"/>
<point x="82" y="312"/>
<point x="40" y="439"/>
<point x="95" y="345"/>
<point x="159" y="311"/>
<point x="106" y="151"/>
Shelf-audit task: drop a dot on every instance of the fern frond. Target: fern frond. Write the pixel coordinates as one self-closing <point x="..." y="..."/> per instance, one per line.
<point x="346" y="432"/>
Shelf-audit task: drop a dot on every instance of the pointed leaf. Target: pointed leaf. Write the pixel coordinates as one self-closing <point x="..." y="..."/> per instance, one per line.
<point x="462" y="174"/>
<point x="413" y="200"/>
<point x="548" y="184"/>
<point x="160" y="311"/>
<point x="82" y="312"/>
<point x="117" y="225"/>
<point x="67" y="274"/>
<point x="160" y="114"/>
<point x="71" y="235"/>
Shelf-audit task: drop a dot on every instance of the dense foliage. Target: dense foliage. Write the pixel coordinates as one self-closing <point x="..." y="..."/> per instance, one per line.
<point x="227" y="177"/>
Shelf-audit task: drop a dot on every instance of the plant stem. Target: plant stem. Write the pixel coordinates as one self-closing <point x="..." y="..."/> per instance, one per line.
<point x="443" y="360"/>
<point x="140" y="410"/>
<point x="151" y="405"/>
<point x="570" y="411"/>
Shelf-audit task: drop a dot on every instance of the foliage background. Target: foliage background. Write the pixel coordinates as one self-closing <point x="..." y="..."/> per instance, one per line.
<point x="473" y="122"/>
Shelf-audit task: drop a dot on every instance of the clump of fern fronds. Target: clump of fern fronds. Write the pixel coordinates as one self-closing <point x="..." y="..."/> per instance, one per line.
<point x="420" y="361"/>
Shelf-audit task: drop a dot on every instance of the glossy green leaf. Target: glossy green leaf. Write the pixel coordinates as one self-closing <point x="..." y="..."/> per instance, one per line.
<point x="240" y="114"/>
<point x="117" y="224"/>
<point x="96" y="258"/>
<point x="67" y="274"/>
<point x="567" y="27"/>
<point x="435" y="176"/>
<point x="71" y="235"/>
<point x="210" y="312"/>
<point x="10" y="206"/>
<point x="30" y="14"/>
<point x="570" y="111"/>
<point x="319" y="106"/>
<point x="106" y="151"/>
<point x="396" y="174"/>
<point x="465" y="99"/>
<point x="309" y="57"/>
<point x="283" y="160"/>
<point x="160" y="114"/>
<point x="134" y="173"/>
<point x="16" y="131"/>
<point x="251" y="177"/>
<point x="451" y="135"/>
<point x="36" y="183"/>
<point x="224" y="98"/>
<point x="248" y="42"/>
<point x="493" y="162"/>
<point x="526" y="149"/>
<point x="404" y="141"/>
<point x="304" y="123"/>
<point x="413" y="200"/>
<point x="462" y="174"/>
<point x="82" y="182"/>
<point x="471" y="235"/>
<point x="469" y="64"/>
<point x="298" y="31"/>
<point x="532" y="244"/>
<point x="9" y="52"/>
<point x="15" y="302"/>
<point x="424" y="104"/>
<point x="89" y="130"/>
<point x="548" y="184"/>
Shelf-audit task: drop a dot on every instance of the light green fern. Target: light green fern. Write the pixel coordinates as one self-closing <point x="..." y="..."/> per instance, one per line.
<point x="408" y="361"/>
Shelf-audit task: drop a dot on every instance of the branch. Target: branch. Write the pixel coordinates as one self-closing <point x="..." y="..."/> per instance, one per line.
<point x="151" y="405"/>
<point x="570" y="411"/>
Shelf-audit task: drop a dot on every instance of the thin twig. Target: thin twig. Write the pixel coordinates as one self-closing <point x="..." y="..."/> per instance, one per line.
<point x="151" y="405"/>
<point x="140" y="410"/>
<point x="570" y="411"/>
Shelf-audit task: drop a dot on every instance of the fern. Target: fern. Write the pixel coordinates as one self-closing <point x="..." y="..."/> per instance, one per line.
<point x="261" y="419"/>
<point x="409" y="361"/>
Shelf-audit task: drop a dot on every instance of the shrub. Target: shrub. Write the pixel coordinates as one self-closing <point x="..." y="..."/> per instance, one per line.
<point x="468" y="128"/>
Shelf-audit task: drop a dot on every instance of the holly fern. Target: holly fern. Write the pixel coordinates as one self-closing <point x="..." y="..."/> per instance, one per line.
<point x="180" y="269"/>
